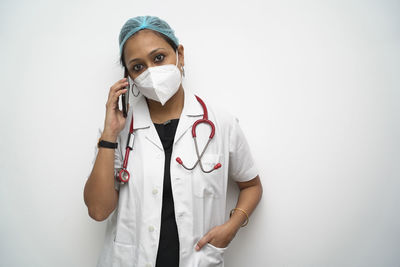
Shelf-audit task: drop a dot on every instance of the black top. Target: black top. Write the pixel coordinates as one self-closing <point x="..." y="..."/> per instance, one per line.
<point x="168" y="248"/>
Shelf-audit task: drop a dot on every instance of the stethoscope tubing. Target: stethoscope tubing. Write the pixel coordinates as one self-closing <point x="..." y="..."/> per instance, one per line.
<point x="204" y="120"/>
<point x="124" y="175"/>
<point x="198" y="157"/>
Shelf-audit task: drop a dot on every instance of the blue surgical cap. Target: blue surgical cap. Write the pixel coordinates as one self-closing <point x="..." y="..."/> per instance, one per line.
<point x="136" y="24"/>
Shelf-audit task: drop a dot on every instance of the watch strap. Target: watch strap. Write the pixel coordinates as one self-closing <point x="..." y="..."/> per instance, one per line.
<point x="106" y="144"/>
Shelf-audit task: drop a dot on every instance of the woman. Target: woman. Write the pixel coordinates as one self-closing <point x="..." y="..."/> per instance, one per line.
<point x="167" y="214"/>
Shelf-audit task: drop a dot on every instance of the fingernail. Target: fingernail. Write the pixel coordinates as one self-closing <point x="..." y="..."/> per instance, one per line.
<point x="197" y="247"/>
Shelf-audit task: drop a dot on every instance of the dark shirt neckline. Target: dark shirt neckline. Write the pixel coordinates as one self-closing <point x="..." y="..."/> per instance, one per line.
<point x="167" y="122"/>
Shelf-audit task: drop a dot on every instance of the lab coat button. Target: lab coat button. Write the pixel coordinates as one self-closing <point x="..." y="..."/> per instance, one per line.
<point x="151" y="228"/>
<point x="155" y="191"/>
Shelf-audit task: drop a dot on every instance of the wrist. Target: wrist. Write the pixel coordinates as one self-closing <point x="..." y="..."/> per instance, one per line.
<point x="107" y="136"/>
<point x="238" y="218"/>
<point x="233" y="225"/>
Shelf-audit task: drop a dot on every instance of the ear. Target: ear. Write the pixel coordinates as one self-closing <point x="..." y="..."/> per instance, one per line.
<point x="181" y="55"/>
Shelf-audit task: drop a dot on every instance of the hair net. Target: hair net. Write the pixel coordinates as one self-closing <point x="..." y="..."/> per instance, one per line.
<point x="136" y="24"/>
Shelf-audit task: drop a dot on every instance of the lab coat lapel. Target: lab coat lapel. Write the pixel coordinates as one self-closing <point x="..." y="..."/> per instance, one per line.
<point x="142" y="121"/>
<point x="191" y="112"/>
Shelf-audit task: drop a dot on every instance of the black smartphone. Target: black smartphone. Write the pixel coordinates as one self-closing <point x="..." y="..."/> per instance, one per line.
<point x="125" y="96"/>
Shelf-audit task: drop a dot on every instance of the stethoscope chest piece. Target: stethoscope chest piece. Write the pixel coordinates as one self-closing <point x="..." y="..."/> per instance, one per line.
<point x="123" y="176"/>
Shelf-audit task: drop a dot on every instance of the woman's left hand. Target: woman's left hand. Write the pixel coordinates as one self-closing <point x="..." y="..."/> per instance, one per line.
<point x="220" y="236"/>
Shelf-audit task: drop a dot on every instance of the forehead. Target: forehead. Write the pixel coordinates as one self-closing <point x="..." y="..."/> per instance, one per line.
<point x="142" y="42"/>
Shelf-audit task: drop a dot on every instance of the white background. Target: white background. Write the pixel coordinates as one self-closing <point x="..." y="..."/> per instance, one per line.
<point x="315" y="85"/>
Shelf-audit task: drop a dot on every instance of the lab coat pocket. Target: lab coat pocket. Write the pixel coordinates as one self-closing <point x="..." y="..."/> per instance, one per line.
<point x="212" y="256"/>
<point x="124" y="255"/>
<point x="208" y="185"/>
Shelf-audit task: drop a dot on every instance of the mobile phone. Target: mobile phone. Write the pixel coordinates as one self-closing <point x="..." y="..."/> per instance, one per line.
<point x="125" y="96"/>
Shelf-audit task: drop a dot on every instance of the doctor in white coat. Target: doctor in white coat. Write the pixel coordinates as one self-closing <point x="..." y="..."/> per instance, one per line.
<point x="166" y="214"/>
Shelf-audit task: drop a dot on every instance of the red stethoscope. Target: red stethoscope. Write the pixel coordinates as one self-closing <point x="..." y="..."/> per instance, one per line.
<point x="123" y="174"/>
<point x="199" y="156"/>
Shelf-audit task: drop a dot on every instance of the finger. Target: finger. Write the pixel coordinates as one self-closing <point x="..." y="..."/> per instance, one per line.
<point x="113" y="91"/>
<point x="118" y="86"/>
<point x="113" y="101"/>
<point x="116" y="95"/>
<point x="119" y="83"/>
<point x="203" y="241"/>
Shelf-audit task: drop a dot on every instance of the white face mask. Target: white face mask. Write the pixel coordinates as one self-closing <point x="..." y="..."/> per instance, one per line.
<point x="159" y="83"/>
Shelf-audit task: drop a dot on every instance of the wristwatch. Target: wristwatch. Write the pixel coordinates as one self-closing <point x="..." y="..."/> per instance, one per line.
<point x="106" y="144"/>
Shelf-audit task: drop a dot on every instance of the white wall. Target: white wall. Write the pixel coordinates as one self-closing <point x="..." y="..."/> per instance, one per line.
<point x="315" y="85"/>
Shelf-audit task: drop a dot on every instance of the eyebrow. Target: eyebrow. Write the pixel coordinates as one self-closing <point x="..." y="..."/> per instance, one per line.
<point x="152" y="52"/>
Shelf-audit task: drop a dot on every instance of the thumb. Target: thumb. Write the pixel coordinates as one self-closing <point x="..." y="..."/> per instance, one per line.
<point x="204" y="240"/>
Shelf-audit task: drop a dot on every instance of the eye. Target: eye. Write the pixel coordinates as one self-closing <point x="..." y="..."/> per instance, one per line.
<point x="159" y="57"/>
<point x="137" y="67"/>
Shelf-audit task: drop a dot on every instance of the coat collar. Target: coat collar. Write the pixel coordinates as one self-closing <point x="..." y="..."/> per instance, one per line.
<point x="142" y="120"/>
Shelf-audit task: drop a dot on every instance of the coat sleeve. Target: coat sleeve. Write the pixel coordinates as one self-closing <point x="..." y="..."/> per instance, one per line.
<point x="242" y="167"/>
<point x="118" y="158"/>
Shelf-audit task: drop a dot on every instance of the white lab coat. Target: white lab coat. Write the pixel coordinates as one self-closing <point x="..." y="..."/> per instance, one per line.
<point x="133" y="229"/>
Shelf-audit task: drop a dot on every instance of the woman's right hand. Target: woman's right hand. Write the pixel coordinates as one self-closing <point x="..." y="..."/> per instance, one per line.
<point x="114" y="121"/>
